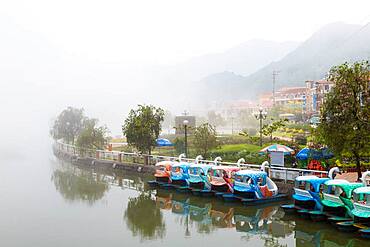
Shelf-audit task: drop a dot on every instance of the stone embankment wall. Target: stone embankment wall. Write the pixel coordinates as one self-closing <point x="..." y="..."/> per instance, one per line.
<point x="108" y="164"/>
<point x="134" y="167"/>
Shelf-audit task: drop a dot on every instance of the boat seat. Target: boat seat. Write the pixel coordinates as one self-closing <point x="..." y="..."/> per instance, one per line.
<point x="265" y="191"/>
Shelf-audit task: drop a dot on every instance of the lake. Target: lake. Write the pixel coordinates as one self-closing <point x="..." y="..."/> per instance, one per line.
<point x="47" y="202"/>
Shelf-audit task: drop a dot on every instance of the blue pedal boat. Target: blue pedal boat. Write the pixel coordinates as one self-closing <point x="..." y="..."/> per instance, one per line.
<point x="180" y="176"/>
<point x="337" y="200"/>
<point x="361" y="202"/>
<point x="254" y="187"/>
<point x="307" y="192"/>
<point x="356" y="203"/>
<point x="198" y="179"/>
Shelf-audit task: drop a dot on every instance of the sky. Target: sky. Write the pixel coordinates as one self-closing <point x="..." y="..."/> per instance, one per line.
<point x="171" y="31"/>
<point x="108" y="56"/>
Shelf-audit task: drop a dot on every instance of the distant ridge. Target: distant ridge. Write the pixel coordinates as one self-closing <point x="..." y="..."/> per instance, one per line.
<point x="332" y="45"/>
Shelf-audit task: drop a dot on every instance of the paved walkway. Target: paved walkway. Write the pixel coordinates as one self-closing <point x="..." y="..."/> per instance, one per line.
<point x="349" y="176"/>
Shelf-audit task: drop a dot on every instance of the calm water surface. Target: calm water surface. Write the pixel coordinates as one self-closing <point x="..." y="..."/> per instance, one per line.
<point x="46" y="202"/>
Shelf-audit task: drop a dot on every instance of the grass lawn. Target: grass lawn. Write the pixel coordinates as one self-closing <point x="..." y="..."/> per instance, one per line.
<point x="118" y="140"/>
<point x="239" y="147"/>
<point x="282" y="134"/>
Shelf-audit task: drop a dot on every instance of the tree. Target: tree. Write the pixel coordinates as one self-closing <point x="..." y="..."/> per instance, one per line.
<point x="79" y="185"/>
<point x="345" y="114"/>
<point x="269" y="129"/>
<point x="142" y="127"/>
<point x="250" y="138"/>
<point x="91" y="136"/>
<point x="205" y="139"/>
<point x="144" y="218"/>
<point x="179" y="145"/>
<point x="68" y="124"/>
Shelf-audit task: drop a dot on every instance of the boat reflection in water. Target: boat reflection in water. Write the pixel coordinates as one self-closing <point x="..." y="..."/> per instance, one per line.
<point x="208" y="214"/>
<point x="268" y="222"/>
<point x="165" y="215"/>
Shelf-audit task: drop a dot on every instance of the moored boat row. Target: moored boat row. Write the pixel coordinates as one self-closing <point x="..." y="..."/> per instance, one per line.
<point x="345" y="205"/>
<point x="230" y="183"/>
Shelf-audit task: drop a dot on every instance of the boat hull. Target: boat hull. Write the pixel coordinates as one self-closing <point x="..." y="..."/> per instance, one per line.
<point x="278" y="197"/>
<point x="220" y="188"/>
<point x="153" y="184"/>
<point x="346" y="226"/>
<point x="162" y="179"/>
<point x="289" y="208"/>
<point x="364" y="233"/>
<point x="317" y="216"/>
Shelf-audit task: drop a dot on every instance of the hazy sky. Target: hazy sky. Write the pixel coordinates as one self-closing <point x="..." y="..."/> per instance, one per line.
<point x="167" y="31"/>
<point x="104" y="55"/>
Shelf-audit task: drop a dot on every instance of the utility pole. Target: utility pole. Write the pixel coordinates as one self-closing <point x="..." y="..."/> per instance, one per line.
<point x="274" y="74"/>
<point x="186" y="122"/>
<point x="260" y="115"/>
<point x="232" y="125"/>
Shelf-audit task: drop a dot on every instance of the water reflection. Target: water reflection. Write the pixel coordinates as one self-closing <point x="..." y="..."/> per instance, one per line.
<point x="90" y="185"/>
<point x="207" y="215"/>
<point x="143" y="218"/>
<point x="268" y="223"/>
<point x="161" y="214"/>
<point x="76" y="184"/>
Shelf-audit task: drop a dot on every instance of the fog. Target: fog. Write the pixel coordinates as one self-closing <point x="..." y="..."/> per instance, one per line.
<point x="109" y="56"/>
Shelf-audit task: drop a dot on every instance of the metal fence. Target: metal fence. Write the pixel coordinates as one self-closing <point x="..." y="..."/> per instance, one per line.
<point x="275" y="172"/>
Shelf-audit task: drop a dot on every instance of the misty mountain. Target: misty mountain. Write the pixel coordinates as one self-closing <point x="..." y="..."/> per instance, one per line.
<point x="331" y="45"/>
<point x="224" y="85"/>
<point x="242" y="59"/>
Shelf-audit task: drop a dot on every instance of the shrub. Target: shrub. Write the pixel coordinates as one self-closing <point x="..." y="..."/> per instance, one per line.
<point x="300" y="139"/>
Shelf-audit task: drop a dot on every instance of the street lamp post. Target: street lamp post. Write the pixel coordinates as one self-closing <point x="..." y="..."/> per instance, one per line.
<point x="260" y="115"/>
<point x="186" y="122"/>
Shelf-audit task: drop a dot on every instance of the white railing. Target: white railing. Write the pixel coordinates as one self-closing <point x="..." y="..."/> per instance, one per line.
<point x="303" y="193"/>
<point x="275" y="172"/>
<point x="333" y="198"/>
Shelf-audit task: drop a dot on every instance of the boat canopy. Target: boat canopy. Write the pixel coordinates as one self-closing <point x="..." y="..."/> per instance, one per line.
<point x="183" y="166"/>
<point x="312" y="180"/>
<point x="164" y="163"/>
<point x="334" y="186"/>
<point x="218" y="171"/>
<point x="362" y="190"/>
<point x="305" y="178"/>
<point x="332" y="192"/>
<point x="334" y="182"/>
<point x="204" y="167"/>
<point x="349" y="188"/>
<point x="226" y="168"/>
<point x="253" y="174"/>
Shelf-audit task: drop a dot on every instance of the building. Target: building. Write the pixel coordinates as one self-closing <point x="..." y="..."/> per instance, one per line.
<point x="287" y="97"/>
<point x="315" y="95"/>
<point x="290" y="96"/>
<point x="266" y="100"/>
